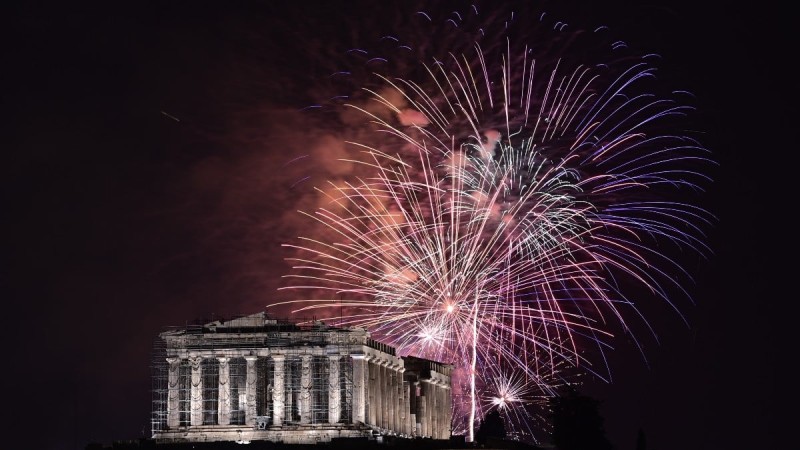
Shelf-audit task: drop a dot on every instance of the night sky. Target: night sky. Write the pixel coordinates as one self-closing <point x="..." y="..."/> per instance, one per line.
<point x="145" y="185"/>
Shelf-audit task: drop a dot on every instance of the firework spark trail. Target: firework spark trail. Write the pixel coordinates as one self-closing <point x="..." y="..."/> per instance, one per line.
<point x="513" y="201"/>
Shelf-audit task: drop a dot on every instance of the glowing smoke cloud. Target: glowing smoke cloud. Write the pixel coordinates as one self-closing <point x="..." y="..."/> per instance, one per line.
<point x="512" y="196"/>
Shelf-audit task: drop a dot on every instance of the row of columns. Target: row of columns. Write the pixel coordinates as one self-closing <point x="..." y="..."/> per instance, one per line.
<point x="381" y="397"/>
<point x="433" y="409"/>
<point x="387" y="395"/>
<point x="224" y="396"/>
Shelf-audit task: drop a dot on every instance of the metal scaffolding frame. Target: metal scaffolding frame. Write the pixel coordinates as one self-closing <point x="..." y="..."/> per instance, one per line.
<point x="259" y="378"/>
<point x="345" y="390"/>
<point x="210" y="387"/>
<point x="278" y="337"/>
<point x="159" y="387"/>
<point x="265" y="369"/>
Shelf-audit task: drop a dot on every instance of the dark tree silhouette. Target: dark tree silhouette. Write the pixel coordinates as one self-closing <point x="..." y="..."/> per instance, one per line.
<point x="641" y="443"/>
<point x="492" y="427"/>
<point x="577" y="424"/>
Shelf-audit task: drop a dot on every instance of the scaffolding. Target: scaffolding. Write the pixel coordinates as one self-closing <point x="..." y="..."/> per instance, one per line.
<point x="159" y="389"/>
<point x="221" y="378"/>
<point x="258" y="378"/>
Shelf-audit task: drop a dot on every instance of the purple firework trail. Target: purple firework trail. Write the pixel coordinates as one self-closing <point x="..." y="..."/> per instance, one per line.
<point x="516" y="182"/>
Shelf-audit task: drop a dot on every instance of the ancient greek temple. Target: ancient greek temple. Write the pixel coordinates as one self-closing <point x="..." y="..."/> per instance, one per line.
<point x="257" y="378"/>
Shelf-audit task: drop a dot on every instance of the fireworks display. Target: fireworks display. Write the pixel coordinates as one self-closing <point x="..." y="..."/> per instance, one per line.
<point x="523" y="191"/>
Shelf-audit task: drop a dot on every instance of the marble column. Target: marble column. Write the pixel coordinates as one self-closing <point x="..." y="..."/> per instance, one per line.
<point x="334" y="394"/>
<point x="370" y="387"/>
<point x="437" y="411"/>
<point x="422" y="402"/>
<point x="278" y="390"/>
<point x="380" y="395"/>
<point x="401" y="404"/>
<point x="448" y="410"/>
<point x="173" y="393"/>
<point x="446" y="416"/>
<point x="305" y="389"/>
<point x="196" y="394"/>
<point x="250" y="391"/>
<point x="405" y="406"/>
<point x="413" y="403"/>
<point x="430" y="410"/>
<point x="391" y="401"/>
<point x="224" y="403"/>
<point x="433" y="409"/>
<point x="359" y="397"/>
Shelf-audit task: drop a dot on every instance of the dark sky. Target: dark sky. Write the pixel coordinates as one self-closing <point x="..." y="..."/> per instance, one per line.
<point x="145" y="185"/>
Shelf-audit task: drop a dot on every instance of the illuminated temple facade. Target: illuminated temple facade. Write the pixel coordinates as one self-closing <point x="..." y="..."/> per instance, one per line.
<point x="256" y="378"/>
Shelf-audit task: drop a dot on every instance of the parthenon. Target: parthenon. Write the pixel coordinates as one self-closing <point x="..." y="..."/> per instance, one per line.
<point x="257" y="378"/>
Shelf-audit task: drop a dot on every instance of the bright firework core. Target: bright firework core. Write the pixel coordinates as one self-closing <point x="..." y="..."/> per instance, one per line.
<point x="510" y="194"/>
<point x="500" y="402"/>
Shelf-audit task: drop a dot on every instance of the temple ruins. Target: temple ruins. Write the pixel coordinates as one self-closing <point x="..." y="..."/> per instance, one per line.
<point x="256" y="378"/>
